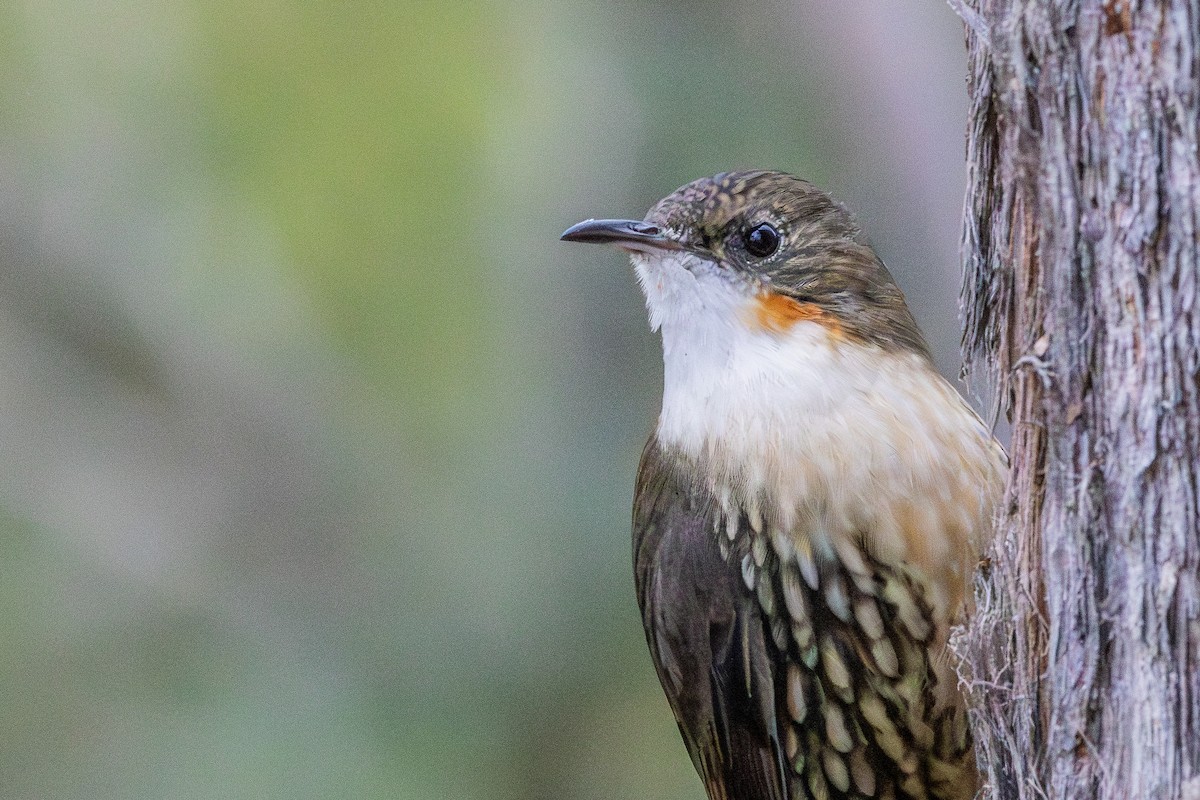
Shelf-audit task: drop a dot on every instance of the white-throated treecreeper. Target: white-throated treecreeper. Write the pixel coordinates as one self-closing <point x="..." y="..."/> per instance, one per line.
<point x="811" y="506"/>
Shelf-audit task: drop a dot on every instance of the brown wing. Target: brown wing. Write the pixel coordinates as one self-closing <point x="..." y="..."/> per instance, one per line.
<point x="707" y="636"/>
<point x="792" y="673"/>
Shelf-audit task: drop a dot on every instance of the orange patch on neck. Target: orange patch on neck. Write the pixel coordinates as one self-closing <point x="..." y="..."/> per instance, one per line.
<point x="778" y="313"/>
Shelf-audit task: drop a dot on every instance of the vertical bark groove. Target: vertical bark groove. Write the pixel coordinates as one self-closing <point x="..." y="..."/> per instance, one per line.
<point x="1081" y="243"/>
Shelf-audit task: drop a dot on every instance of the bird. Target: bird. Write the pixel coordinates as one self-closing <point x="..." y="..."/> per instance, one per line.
<point x="812" y="505"/>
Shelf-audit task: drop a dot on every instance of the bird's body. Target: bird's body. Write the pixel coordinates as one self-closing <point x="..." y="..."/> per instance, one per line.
<point x="811" y="505"/>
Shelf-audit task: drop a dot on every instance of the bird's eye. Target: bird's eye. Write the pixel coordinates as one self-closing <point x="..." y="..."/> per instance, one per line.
<point x="761" y="240"/>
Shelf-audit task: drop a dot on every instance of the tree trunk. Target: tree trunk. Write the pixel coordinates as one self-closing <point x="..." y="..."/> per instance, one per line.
<point x="1081" y="240"/>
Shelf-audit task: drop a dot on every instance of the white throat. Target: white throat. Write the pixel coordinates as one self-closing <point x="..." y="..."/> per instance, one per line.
<point x="700" y="312"/>
<point x="726" y="379"/>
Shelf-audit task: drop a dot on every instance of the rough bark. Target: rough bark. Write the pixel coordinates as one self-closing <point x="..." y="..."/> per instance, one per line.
<point x="1081" y="240"/>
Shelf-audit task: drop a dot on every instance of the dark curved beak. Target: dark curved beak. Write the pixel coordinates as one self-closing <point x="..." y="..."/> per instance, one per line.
<point x="627" y="234"/>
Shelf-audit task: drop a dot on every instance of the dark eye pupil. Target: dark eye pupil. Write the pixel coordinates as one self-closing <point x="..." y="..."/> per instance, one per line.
<point x="762" y="240"/>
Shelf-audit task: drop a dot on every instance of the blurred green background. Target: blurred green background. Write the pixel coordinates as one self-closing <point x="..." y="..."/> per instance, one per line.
<point x="318" y="445"/>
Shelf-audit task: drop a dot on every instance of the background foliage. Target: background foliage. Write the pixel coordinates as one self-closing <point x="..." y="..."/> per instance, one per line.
<point x="319" y="446"/>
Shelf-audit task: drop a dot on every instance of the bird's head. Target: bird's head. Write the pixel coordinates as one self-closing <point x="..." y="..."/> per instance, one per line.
<point x="764" y="251"/>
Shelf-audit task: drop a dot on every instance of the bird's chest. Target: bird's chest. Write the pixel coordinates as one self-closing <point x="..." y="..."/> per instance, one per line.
<point x="829" y="445"/>
<point x="805" y="425"/>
